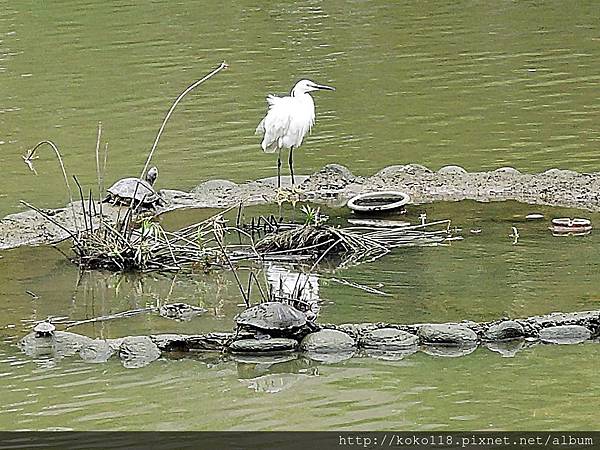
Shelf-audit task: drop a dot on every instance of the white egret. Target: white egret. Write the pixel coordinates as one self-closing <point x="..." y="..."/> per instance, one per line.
<point x="288" y="120"/>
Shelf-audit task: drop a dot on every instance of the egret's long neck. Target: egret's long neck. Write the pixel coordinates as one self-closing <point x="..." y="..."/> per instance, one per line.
<point x="298" y="93"/>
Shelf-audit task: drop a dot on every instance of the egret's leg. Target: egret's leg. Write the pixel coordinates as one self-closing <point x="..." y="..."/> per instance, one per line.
<point x="291" y="164"/>
<point x="281" y="195"/>
<point x="279" y="169"/>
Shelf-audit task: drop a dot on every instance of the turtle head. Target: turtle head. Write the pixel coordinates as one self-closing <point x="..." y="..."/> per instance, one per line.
<point x="151" y="175"/>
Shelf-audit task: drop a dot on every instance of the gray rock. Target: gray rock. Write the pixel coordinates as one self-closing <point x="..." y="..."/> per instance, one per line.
<point x="171" y="195"/>
<point x="508" y="329"/>
<point x="565" y="334"/>
<point x="214" y="186"/>
<point x="201" y="342"/>
<point x="507" y="348"/>
<point x="286" y="180"/>
<point x="452" y="170"/>
<point x="449" y="351"/>
<point x="327" y="341"/>
<point x="59" y="345"/>
<point x="138" y="351"/>
<point x="97" y="351"/>
<point x="263" y="345"/>
<point x="114" y="344"/>
<point x="412" y="169"/>
<point x="446" y="334"/>
<point x="389" y="339"/>
<point x="507" y="170"/>
<point x="337" y="170"/>
<point x="560" y="173"/>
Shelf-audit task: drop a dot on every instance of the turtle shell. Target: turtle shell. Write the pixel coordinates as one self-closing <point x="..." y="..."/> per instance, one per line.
<point x="271" y="316"/>
<point x="44" y="328"/>
<point x="127" y="189"/>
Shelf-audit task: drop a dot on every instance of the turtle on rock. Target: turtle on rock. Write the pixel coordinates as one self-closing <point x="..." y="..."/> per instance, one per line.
<point x="44" y="329"/>
<point x="273" y="319"/>
<point x="140" y="192"/>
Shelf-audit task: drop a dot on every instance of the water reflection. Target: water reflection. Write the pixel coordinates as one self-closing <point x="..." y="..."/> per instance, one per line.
<point x="300" y="289"/>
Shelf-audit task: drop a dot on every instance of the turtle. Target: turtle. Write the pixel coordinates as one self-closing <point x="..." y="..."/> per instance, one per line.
<point x="126" y="190"/>
<point x="44" y="329"/>
<point x="272" y="319"/>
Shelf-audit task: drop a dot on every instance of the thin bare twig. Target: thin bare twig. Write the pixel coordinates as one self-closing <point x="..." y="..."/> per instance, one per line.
<point x="175" y="103"/>
<point x="28" y="159"/>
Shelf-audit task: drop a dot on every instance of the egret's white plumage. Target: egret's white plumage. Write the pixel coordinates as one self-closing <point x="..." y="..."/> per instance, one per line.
<point x="288" y="120"/>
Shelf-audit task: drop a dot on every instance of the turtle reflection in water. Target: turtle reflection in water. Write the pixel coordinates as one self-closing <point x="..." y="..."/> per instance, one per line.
<point x="274" y="319"/>
<point x="180" y="311"/>
<point x="140" y="192"/>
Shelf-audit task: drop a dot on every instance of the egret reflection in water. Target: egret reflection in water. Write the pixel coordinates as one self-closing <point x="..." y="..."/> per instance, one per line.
<point x="286" y="283"/>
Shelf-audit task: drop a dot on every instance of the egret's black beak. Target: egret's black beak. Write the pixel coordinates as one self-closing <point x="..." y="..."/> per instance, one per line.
<point x="325" y="88"/>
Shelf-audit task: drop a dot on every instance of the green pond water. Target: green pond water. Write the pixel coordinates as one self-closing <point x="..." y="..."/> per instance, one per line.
<point x="474" y="83"/>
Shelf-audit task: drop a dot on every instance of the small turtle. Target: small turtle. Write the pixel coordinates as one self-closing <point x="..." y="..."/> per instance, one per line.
<point x="131" y="189"/>
<point x="180" y="311"/>
<point x="44" y="329"/>
<point x="272" y="318"/>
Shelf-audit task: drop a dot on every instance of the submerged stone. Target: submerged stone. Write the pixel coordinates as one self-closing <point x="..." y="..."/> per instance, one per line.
<point x="565" y="334"/>
<point x="508" y="329"/>
<point x="263" y="345"/>
<point x="264" y="359"/>
<point x="138" y="351"/>
<point x="389" y="339"/>
<point x="507" y="348"/>
<point x="446" y="334"/>
<point x="449" y="351"/>
<point x="328" y="357"/>
<point x="391" y="355"/>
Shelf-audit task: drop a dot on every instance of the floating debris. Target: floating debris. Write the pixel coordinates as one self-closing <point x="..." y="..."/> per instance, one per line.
<point x="353" y="244"/>
<point x="515" y="235"/>
<point x="380" y="223"/>
<point x="475" y="231"/>
<point x="179" y="311"/>
<point x="534" y="216"/>
<point x="376" y="202"/>
<point x="568" y="226"/>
